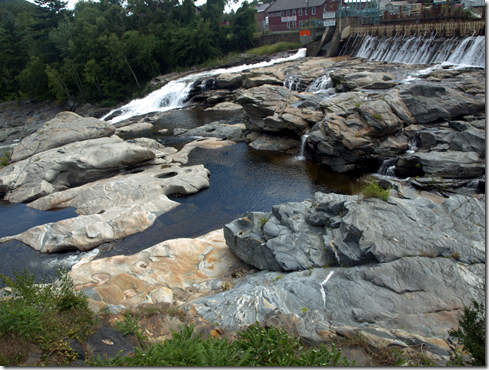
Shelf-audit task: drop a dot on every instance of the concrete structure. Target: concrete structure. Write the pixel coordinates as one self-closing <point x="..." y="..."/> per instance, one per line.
<point x="292" y="15"/>
<point x="261" y="16"/>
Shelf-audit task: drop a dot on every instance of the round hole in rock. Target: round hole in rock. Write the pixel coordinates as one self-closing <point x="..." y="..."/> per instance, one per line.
<point x="166" y="175"/>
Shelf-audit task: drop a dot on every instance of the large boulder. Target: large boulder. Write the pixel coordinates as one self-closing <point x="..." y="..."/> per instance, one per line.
<point x="73" y="164"/>
<point x="346" y="80"/>
<point x="65" y="128"/>
<point x="335" y="229"/>
<point x="428" y="103"/>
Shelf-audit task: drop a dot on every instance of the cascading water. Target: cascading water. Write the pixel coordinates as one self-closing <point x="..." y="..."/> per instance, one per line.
<point x="388" y="167"/>
<point x="174" y="93"/>
<point x="470" y="52"/>
<point x="320" y="85"/>
<point x="301" y="155"/>
<point x="292" y="82"/>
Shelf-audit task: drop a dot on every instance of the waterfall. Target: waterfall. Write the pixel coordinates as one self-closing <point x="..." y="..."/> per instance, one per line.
<point x="292" y="82"/>
<point x="469" y="52"/>
<point x="320" y="85"/>
<point x="174" y="93"/>
<point x="388" y="167"/>
<point x="303" y="146"/>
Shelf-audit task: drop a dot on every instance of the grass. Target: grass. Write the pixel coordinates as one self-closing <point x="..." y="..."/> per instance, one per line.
<point x="370" y="188"/>
<point x="271" y="49"/>
<point x="5" y="160"/>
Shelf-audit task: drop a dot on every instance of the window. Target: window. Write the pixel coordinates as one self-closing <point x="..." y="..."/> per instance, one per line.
<point x="288" y="25"/>
<point x="306" y="9"/>
<point x="300" y="12"/>
<point x="294" y="25"/>
<point x="300" y="24"/>
<point x="282" y="13"/>
<point x="313" y="10"/>
<point x="293" y="12"/>
<point x="288" y="13"/>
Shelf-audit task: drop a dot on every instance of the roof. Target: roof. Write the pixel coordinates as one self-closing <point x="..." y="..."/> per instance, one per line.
<point x="293" y="4"/>
<point x="262" y="8"/>
<point x="400" y="3"/>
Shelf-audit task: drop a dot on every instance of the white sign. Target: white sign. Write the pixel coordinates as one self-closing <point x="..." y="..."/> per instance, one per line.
<point x="289" y="19"/>
<point x="327" y="15"/>
<point x="329" y="22"/>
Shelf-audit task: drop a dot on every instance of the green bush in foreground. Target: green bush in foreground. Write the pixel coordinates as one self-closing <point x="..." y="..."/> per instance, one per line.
<point x="256" y="346"/>
<point x="471" y="334"/>
<point x="42" y="315"/>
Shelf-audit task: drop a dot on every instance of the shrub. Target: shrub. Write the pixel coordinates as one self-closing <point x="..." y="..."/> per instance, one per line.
<point x="372" y="189"/>
<point x="271" y="49"/>
<point x="472" y="334"/>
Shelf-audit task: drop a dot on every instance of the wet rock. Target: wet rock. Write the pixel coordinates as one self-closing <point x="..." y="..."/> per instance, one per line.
<point x="135" y="128"/>
<point x="228" y="80"/>
<point x="270" y="142"/>
<point x="226" y="106"/>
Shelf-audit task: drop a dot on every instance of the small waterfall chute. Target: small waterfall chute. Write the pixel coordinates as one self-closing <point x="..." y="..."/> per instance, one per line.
<point x="174" y="94"/>
<point x="320" y="85"/>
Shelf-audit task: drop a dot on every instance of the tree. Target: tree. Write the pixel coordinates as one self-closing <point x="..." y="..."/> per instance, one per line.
<point x="244" y="26"/>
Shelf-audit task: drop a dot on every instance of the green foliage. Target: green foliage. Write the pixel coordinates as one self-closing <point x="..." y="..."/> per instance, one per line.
<point x="377" y="116"/>
<point x="271" y="49"/>
<point x="256" y="346"/>
<point x="262" y="221"/>
<point x="130" y="325"/>
<point x="42" y="314"/>
<point x="372" y="189"/>
<point x="472" y="334"/>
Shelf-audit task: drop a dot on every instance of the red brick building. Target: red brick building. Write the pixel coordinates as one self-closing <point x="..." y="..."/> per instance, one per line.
<point x="290" y="15"/>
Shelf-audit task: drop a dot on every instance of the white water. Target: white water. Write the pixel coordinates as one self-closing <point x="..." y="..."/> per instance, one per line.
<point x="292" y="82"/>
<point x="320" y="85"/>
<point x="470" y="52"/>
<point x="174" y="93"/>
<point x="301" y="155"/>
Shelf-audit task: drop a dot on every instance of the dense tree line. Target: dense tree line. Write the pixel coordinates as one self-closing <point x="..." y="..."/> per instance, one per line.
<point x="105" y="51"/>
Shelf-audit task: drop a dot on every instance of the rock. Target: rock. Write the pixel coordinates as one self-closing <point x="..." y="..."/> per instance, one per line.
<point x="420" y="295"/>
<point x="265" y="106"/>
<point x="178" y="270"/>
<point x="250" y="82"/>
<point x="451" y="164"/>
<point x="218" y="130"/>
<point x="135" y="128"/>
<point x="108" y="342"/>
<point x="269" y="142"/>
<point x="346" y="80"/>
<point x="210" y="143"/>
<point x="226" y="106"/>
<point x="72" y="164"/>
<point x="228" y="80"/>
<point x="295" y="236"/>
<point x="112" y="208"/>
<point x="428" y="103"/>
<point x="65" y="128"/>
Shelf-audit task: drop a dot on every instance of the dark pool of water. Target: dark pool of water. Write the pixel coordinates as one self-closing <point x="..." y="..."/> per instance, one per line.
<point x="16" y="256"/>
<point x="242" y="179"/>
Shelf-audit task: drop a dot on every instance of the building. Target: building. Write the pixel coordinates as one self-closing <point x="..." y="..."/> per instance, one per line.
<point x="261" y="16"/>
<point x="290" y="15"/>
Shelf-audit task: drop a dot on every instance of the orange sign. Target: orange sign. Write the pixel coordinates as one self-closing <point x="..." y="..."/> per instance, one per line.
<point x="304" y="33"/>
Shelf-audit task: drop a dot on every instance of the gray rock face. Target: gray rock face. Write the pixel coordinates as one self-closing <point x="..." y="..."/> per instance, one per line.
<point x="450" y="164"/>
<point x="65" y="128"/>
<point x="418" y="294"/>
<point x="75" y="163"/>
<point x="335" y="229"/>
<point x="428" y="103"/>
